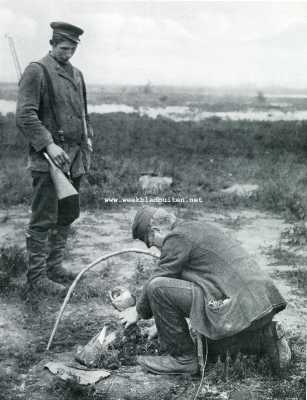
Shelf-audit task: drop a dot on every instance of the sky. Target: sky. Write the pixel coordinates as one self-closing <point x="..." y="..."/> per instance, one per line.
<point x="202" y="43"/>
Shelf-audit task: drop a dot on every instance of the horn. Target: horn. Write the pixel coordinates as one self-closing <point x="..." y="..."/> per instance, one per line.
<point x="62" y="185"/>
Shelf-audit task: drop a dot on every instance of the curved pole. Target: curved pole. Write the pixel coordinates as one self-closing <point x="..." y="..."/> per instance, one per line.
<point x="70" y="290"/>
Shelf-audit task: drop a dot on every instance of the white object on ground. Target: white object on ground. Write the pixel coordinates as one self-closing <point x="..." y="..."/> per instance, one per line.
<point x="80" y="376"/>
<point x="121" y="298"/>
<point x="91" y="353"/>
<point x="155" y="184"/>
<point x="241" y="190"/>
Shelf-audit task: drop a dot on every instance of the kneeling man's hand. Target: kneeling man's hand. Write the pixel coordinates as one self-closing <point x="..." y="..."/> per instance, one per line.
<point x="151" y="332"/>
<point x="129" y="316"/>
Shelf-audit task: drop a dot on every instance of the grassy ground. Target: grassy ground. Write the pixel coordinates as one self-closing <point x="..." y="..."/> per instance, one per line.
<point x="202" y="158"/>
<point x="28" y="324"/>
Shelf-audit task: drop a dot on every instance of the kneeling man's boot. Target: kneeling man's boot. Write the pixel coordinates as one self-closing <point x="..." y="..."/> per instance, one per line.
<point x="169" y="365"/>
<point x="275" y="345"/>
<point x="57" y="244"/>
<point x="38" y="282"/>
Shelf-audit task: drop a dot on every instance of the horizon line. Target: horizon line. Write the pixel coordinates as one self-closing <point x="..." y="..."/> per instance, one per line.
<point x="249" y="86"/>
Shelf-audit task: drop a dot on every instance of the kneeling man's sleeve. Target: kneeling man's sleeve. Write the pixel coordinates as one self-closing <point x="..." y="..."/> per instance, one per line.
<point x="174" y="257"/>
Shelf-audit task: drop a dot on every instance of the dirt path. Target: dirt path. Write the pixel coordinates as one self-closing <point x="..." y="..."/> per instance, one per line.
<point x="260" y="233"/>
<point x="24" y="332"/>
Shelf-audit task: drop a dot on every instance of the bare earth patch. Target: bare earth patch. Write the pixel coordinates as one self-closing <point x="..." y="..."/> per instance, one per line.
<point x="25" y="328"/>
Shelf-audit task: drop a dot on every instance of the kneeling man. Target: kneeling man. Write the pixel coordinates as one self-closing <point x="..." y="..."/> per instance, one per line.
<point x="206" y="276"/>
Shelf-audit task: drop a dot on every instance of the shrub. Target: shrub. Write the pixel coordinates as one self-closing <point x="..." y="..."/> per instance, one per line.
<point x="15" y="182"/>
<point x="202" y="157"/>
<point x="12" y="263"/>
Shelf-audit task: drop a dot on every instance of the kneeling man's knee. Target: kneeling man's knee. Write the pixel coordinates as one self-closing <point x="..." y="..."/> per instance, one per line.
<point x="155" y="286"/>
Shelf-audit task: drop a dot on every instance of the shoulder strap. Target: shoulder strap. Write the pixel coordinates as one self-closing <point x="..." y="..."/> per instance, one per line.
<point x="84" y="94"/>
<point x="51" y="94"/>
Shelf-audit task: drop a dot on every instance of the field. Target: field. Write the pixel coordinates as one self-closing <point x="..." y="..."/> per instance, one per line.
<point x="204" y="158"/>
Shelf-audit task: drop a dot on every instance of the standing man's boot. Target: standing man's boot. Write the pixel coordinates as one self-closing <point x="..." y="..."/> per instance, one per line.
<point x="57" y="243"/>
<point x="38" y="282"/>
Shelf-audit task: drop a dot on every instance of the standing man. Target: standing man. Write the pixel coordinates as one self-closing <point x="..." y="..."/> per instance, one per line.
<point x="52" y="115"/>
<point x="208" y="277"/>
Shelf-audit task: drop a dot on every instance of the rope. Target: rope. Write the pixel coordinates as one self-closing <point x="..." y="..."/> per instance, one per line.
<point x="202" y="361"/>
<point x="73" y="285"/>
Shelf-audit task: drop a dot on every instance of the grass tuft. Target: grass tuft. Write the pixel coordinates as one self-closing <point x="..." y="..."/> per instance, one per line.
<point x="12" y="263"/>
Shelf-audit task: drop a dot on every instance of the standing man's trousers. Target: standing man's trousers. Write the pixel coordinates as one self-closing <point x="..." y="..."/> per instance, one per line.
<point x="49" y="225"/>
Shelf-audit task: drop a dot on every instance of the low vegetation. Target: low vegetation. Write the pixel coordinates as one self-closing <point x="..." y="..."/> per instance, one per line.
<point x="225" y="374"/>
<point x="12" y="264"/>
<point x="202" y="157"/>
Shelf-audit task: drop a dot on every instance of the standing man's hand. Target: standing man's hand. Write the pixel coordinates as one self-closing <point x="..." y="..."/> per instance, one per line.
<point x="58" y="155"/>
<point x="129" y="316"/>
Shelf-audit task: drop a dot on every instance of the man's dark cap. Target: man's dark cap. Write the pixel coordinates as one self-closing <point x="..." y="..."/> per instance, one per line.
<point x="66" y="30"/>
<point x="141" y="223"/>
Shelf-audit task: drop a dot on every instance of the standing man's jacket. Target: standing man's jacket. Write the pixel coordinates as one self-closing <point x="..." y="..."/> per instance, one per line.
<point x="231" y="291"/>
<point x="35" y="119"/>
